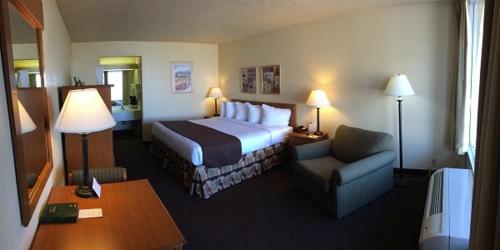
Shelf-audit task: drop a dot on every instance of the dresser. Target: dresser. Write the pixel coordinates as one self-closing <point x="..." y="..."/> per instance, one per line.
<point x="100" y="144"/>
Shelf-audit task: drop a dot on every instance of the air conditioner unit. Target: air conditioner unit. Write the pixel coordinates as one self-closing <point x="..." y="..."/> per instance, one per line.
<point x="446" y="222"/>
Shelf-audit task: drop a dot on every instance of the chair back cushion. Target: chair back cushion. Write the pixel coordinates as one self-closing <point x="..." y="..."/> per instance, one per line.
<point x="103" y="175"/>
<point x="351" y="144"/>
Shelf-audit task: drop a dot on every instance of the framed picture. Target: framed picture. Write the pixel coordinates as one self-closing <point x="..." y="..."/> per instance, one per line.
<point x="249" y="80"/>
<point x="182" y="77"/>
<point x="270" y="79"/>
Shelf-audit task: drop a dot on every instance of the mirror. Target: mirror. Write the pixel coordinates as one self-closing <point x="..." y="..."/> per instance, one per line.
<point x="26" y="100"/>
<point x="25" y="51"/>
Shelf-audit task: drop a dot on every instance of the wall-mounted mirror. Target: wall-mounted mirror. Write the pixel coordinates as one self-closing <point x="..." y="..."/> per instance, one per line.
<point x="22" y="63"/>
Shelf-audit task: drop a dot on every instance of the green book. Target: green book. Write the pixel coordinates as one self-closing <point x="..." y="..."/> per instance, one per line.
<point x="59" y="213"/>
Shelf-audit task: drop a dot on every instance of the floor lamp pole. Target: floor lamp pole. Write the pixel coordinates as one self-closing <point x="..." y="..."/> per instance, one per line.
<point x="400" y="182"/>
<point x="85" y="190"/>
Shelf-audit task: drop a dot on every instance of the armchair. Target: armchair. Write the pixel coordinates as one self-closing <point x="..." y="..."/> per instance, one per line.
<point x="347" y="172"/>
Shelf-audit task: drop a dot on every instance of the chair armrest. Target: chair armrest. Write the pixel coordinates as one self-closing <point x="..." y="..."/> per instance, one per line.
<point x="312" y="150"/>
<point x="360" y="168"/>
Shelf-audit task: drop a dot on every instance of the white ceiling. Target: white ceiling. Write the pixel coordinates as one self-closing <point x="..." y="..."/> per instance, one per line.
<point x="205" y="21"/>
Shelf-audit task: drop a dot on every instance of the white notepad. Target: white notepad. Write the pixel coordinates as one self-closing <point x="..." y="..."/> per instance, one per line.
<point x="90" y="213"/>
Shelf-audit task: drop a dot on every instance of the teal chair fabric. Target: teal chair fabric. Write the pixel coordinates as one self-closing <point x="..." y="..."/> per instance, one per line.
<point x="102" y="175"/>
<point x="347" y="172"/>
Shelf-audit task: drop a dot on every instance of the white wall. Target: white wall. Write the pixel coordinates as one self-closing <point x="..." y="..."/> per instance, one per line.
<point x="57" y="52"/>
<point x="158" y="101"/>
<point x="25" y="51"/>
<point x="352" y="58"/>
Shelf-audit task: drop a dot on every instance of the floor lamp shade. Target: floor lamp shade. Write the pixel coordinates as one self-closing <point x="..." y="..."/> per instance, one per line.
<point x="399" y="86"/>
<point x="27" y="124"/>
<point x="84" y="112"/>
<point x="318" y="99"/>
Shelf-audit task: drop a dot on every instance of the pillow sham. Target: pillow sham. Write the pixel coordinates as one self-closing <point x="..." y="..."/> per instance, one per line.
<point x="229" y="110"/>
<point x="223" y="109"/>
<point x="254" y="113"/>
<point x="272" y="116"/>
<point x="241" y="111"/>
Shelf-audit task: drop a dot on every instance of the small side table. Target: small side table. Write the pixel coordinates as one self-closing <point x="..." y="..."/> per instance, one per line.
<point x="297" y="138"/>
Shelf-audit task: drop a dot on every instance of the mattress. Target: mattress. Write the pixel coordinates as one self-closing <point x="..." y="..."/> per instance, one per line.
<point x="252" y="136"/>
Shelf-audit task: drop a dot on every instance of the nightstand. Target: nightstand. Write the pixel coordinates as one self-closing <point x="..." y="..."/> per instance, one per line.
<point x="297" y="139"/>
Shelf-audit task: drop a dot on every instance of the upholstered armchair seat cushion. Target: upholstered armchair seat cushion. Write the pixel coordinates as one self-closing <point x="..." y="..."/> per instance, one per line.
<point x="319" y="171"/>
<point x="103" y="175"/>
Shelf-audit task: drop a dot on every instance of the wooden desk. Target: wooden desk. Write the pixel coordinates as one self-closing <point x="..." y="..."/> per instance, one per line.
<point x="133" y="218"/>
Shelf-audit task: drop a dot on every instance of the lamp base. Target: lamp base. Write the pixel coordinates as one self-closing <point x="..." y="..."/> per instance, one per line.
<point x="84" y="191"/>
<point x="319" y="133"/>
<point x="401" y="182"/>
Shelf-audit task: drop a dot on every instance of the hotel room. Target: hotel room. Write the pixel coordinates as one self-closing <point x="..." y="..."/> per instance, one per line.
<point x="264" y="124"/>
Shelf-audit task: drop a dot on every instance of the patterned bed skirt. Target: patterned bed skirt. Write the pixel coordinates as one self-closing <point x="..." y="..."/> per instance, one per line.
<point x="205" y="182"/>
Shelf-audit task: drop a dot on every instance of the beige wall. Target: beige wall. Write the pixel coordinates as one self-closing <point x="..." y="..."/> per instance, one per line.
<point x="158" y="101"/>
<point x="57" y="51"/>
<point x="352" y="57"/>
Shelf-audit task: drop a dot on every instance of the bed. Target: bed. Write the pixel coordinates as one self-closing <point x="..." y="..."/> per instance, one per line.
<point x="262" y="148"/>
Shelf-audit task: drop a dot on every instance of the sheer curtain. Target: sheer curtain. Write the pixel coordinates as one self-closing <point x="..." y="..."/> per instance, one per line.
<point x="466" y="88"/>
<point x="485" y="229"/>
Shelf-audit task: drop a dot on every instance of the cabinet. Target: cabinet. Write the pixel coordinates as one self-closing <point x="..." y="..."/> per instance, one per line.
<point x="100" y="144"/>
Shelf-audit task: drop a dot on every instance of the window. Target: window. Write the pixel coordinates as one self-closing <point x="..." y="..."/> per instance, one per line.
<point x="115" y="78"/>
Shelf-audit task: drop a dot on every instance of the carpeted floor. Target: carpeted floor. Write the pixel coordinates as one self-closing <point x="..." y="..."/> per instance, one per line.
<point x="268" y="212"/>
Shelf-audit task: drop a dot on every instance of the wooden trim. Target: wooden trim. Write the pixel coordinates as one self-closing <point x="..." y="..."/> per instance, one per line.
<point x="27" y="200"/>
<point x="31" y="11"/>
<point x="293" y="118"/>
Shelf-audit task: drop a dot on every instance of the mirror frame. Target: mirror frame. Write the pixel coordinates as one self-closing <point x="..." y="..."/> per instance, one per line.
<point x="32" y="12"/>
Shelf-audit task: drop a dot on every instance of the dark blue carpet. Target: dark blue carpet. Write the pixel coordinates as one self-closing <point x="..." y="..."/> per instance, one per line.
<point x="268" y="212"/>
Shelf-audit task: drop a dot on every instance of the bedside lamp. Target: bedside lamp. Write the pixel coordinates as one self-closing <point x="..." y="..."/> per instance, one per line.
<point x="318" y="99"/>
<point x="399" y="86"/>
<point x="215" y="93"/>
<point x="84" y="112"/>
<point x="27" y="124"/>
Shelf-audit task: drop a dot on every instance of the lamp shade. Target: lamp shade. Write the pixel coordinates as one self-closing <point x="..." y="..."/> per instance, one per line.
<point x="84" y="112"/>
<point x="318" y="98"/>
<point x="27" y="124"/>
<point x="399" y="86"/>
<point x="215" y="93"/>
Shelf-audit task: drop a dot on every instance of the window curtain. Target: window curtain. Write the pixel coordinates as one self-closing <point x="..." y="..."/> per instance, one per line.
<point x="457" y="122"/>
<point x="485" y="225"/>
<point x="465" y="88"/>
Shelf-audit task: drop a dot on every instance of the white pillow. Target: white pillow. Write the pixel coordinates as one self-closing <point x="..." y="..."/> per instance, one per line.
<point x="272" y="116"/>
<point x="222" y="109"/>
<point x="229" y="109"/>
<point x="241" y="111"/>
<point x="254" y="113"/>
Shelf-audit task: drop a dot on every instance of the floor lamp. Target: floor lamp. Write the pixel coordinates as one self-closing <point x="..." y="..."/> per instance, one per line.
<point x="215" y="93"/>
<point x="83" y="113"/>
<point x="399" y="86"/>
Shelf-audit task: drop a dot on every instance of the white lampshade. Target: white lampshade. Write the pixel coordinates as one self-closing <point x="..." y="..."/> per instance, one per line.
<point x="27" y="124"/>
<point x="399" y="86"/>
<point x="84" y="112"/>
<point x="318" y="98"/>
<point x="215" y="93"/>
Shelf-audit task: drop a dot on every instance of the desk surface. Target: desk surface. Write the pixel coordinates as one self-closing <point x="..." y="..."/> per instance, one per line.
<point x="133" y="218"/>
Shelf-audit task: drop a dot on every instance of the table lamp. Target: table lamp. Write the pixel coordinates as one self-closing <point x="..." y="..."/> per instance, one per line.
<point x="215" y="93"/>
<point x="399" y="86"/>
<point x="84" y="112"/>
<point x="27" y="124"/>
<point x="318" y="99"/>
